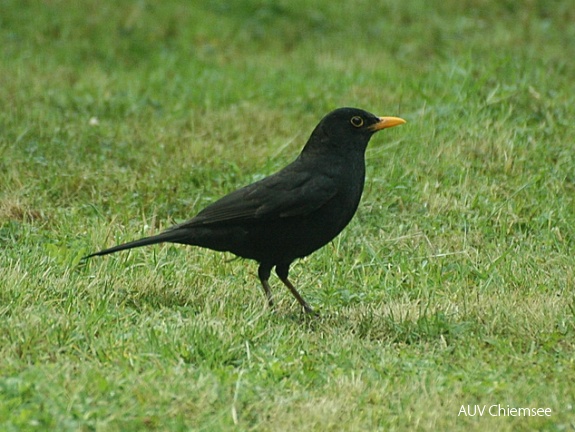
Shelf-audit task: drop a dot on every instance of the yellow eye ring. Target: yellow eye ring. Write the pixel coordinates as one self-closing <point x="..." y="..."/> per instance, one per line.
<point x="356" y="121"/>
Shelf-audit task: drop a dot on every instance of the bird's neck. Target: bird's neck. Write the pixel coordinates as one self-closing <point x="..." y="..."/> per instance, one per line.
<point x="323" y="145"/>
<point x="335" y="161"/>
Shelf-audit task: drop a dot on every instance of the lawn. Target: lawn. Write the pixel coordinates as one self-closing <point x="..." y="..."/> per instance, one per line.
<point x="450" y="292"/>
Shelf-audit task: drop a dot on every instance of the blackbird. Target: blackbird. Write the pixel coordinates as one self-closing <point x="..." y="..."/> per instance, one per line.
<point x="293" y="212"/>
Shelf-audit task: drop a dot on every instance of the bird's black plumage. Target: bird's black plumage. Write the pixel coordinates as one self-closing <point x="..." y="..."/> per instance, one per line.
<point x="293" y="212"/>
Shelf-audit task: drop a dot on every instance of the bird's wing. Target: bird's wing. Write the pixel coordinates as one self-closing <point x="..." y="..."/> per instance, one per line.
<point x="283" y="195"/>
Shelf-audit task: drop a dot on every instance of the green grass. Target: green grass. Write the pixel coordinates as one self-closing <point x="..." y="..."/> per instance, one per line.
<point x="452" y="286"/>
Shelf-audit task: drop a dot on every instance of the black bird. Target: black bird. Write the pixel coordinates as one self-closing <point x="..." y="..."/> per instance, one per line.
<point x="293" y="212"/>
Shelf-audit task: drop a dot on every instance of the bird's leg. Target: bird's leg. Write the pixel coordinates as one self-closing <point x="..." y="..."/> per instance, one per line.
<point x="264" y="275"/>
<point x="282" y="271"/>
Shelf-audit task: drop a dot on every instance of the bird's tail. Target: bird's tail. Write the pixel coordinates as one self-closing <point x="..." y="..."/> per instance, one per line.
<point x="168" y="236"/>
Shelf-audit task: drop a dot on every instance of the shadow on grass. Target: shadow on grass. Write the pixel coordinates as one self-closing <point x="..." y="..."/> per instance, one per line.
<point x="367" y="322"/>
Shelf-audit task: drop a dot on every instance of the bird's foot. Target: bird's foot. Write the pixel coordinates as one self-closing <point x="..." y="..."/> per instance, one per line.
<point x="309" y="311"/>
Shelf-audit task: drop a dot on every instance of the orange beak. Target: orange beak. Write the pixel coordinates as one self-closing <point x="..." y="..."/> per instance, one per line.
<point x="386" y="122"/>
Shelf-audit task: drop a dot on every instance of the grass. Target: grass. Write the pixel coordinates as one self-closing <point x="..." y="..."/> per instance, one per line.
<point x="452" y="286"/>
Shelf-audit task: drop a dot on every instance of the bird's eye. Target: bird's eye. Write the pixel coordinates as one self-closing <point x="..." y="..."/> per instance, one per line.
<point x="357" y="121"/>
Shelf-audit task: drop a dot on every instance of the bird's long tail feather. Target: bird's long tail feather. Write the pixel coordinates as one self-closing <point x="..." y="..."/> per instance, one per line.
<point x="168" y="236"/>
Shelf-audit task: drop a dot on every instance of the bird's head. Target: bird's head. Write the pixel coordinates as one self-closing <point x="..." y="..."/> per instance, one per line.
<point x="348" y="129"/>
